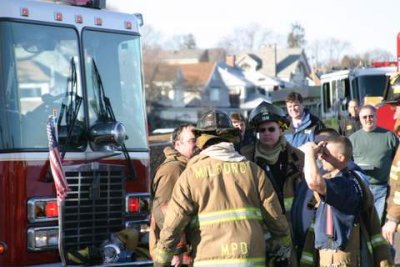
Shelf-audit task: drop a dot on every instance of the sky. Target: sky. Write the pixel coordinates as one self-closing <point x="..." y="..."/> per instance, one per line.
<point x="365" y="24"/>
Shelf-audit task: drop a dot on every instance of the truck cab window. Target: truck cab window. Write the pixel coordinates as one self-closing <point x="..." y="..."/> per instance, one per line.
<point x="37" y="58"/>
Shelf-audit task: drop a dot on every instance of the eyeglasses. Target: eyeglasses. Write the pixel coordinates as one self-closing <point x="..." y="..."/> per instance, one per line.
<point x="269" y="129"/>
<point x="368" y="116"/>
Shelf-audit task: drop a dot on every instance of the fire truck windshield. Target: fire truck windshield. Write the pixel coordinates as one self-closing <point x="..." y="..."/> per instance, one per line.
<point x="35" y="75"/>
<point x="371" y="85"/>
<point x="118" y="62"/>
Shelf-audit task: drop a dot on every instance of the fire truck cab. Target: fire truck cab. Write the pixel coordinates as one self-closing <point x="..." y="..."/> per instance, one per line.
<point x="83" y="64"/>
<point x="366" y="85"/>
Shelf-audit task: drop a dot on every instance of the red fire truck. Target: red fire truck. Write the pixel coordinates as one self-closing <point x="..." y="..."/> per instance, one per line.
<point x="388" y="113"/>
<point x="84" y="64"/>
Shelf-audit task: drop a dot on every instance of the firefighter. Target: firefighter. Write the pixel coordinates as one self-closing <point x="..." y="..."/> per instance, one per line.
<point x="176" y="157"/>
<point x="246" y="135"/>
<point x="393" y="202"/>
<point x="347" y="229"/>
<point x="224" y="199"/>
<point x="283" y="165"/>
<point x="350" y="123"/>
<point x="374" y="249"/>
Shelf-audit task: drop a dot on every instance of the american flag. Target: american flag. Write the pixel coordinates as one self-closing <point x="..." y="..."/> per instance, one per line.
<point x="55" y="161"/>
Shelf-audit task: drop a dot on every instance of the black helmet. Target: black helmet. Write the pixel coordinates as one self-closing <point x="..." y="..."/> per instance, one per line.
<point x="213" y="121"/>
<point x="215" y="124"/>
<point x="267" y="112"/>
<point x="392" y="92"/>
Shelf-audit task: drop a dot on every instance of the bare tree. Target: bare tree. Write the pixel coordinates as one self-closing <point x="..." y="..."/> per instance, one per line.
<point x="378" y="55"/>
<point x="349" y="62"/>
<point x="334" y="48"/>
<point x="250" y="37"/>
<point x="151" y="38"/>
<point x="181" y="41"/>
<point x="296" y="37"/>
<point x="326" y="54"/>
<point x="189" y="41"/>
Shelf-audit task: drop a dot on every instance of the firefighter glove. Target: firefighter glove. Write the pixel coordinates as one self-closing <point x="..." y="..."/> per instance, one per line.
<point x="283" y="253"/>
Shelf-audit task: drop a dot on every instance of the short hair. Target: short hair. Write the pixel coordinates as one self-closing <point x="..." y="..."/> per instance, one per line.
<point x="353" y="100"/>
<point x="344" y="142"/>
<point x="325" y="134"/>
<point x="294" y="96"/>
<point x="178" y="130"/>
<point x="237" y="116"/>
<point x="327" y="131"/>
<point x="370" y="107"/>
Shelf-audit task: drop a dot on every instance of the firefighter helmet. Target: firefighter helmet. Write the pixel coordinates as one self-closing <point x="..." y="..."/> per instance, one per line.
<point x="215" y="124"/>
<point x="392" y="93"/>
<point x="214" y="121"/>
<point x="268" y="112"/>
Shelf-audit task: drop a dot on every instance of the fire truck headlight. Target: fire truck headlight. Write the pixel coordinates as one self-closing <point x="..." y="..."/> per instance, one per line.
<point x="108" y="133"/>
<point x="42" y="210"/>
<point x="3" y="248"/>
<point x="42" y="238"/>
<point x="137" y="203"/>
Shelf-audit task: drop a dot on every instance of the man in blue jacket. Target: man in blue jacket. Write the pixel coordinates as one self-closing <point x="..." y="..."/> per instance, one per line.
<point x="341" y="196"/>
<point x="303" y="124"/>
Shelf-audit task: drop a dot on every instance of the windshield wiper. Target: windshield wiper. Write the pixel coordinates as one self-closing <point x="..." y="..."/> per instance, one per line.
<point x="105" y="114"/>
<point x="71" y="109"/>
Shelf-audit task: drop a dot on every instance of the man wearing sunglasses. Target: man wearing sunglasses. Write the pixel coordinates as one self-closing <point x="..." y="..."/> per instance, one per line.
<point x="373" y="150"/>
<point x="282" y="162"/>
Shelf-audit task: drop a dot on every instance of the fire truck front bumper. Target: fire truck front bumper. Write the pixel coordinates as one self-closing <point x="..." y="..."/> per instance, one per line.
<point x="144" y="263"/>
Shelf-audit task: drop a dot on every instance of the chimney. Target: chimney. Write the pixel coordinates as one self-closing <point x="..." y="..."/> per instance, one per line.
<point x="230" y="60"/>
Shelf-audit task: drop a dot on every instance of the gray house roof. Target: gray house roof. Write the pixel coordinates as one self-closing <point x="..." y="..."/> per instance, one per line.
<point x="279" y="62"/>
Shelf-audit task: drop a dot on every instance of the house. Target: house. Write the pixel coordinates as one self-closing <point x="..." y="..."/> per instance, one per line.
<point x="289" y="65"/>
<point x="192" y="56"/>
<point x="247" y="88"/>
<point x="187" y="91"/>
<point x="190" y="82"/>
<point x="190" y="85"/>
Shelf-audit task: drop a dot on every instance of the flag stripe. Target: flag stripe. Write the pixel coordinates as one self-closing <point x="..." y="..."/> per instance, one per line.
<point x="56" y="167"/>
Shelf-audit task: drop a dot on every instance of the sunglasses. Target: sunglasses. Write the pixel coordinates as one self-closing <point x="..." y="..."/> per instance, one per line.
<point x="269" y="129"/>
<point x="368" y="116"/>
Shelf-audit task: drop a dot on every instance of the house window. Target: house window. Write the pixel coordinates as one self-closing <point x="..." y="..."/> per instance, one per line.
<point x="214" y="94"/>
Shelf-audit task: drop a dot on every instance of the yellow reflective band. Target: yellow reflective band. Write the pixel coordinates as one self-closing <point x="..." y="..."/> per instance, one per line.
<point x="162" y="256"/>
<point x="287" y="202"/>
<point x="227" y="216"/>
<point x="311" y="228"/>
<point x="245" y="262"/>
<point x="369" y="245"/>
<point x="396" y="167"/>
<point x="394" y="172"/>
<point x="307" y="258"/>
<point x="396" y="197"/>
<point x="377" y="240"/>
<point x="284" y="240"/>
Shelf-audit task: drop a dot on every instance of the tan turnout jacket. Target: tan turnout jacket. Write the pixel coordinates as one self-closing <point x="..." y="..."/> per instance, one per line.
<point x="223" y="204"/>
<point x="163" y="184"/>
<point x="393" y="202"/>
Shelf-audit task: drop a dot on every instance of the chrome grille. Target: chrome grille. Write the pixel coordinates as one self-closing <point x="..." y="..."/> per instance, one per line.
<point x="94" y="207"/>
